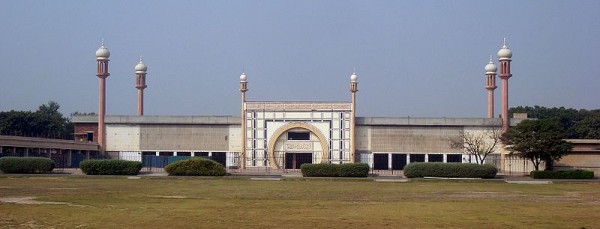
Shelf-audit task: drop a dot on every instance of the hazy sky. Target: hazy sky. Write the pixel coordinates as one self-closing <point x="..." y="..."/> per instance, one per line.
<point x="414" y="58"/>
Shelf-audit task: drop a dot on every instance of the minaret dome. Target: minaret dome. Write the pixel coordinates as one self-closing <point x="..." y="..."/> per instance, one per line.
<point x="353" y="77"/>
<point x="141" y="67"/>
<point x="490" y="68"/>
<point x="243" y="77"/>
<point x="504" y="52"/>
<point x="102" y="52"/>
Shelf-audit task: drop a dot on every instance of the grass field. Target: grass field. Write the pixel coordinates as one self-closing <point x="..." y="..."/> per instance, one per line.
<point x="117" y="202"/>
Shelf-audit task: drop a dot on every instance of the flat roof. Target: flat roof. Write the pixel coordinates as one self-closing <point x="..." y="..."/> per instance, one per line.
<point x="423" y="121"/>
<point x="158" y="119"/>
<point x="235" y="120"/>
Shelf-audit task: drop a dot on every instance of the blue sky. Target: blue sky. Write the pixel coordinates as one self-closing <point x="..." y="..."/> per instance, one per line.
<point x="414" y="58"/>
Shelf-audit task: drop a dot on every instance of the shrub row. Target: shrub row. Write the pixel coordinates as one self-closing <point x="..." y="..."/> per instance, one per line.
<point x="458" y="170"/>
<point x="26" y="165"/>
<point x="196" y="167"/>
<point x="571" y="174"/>
<point x="110" y="167"/>
<point x="335" y="170"/>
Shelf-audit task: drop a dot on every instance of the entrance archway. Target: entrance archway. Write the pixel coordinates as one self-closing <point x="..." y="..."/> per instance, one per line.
<point x="282" y="130"/>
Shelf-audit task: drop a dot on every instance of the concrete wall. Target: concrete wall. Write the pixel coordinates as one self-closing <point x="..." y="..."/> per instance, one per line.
<point x="184" y="137"/>
<point x="587" y="161"/>
<point x="413" y="139"/>
<point x="122" y="138"/>
<point x="235" y="138"/>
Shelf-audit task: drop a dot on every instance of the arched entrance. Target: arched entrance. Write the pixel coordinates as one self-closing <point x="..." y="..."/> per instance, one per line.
<point x="297" y="125"/>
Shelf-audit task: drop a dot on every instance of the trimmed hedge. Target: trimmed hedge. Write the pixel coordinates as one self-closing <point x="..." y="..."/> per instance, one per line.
<point x="570" y="174"/>
<point x="196" y="166"/>
<point x="26" y="165"/>
<point x="110" y="167"/>
<point x="440" y="169"/>
<point x="335" y="170"/>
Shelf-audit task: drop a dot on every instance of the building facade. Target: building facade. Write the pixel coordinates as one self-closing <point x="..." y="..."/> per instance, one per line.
<point x="284" y="135"/>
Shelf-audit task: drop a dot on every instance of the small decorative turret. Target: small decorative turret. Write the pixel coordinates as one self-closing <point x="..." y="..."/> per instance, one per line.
<point x="490" y="72"/>
<point x="140" y="85"/>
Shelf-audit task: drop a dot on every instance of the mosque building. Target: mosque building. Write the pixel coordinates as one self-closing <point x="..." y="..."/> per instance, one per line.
<point x="286" y="134"/>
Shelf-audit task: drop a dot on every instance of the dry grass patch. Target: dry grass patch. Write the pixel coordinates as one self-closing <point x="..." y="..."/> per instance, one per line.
<point x="226" y="203"/>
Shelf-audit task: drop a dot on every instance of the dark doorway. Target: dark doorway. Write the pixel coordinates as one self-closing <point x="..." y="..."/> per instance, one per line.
<point x="457" y="158"/>
<point x="380" y="161"/>
<point x="295" y="160"/>
<point x="90" y="137"/>
<point x="417" y="158"/>
<point x="398" y="161"/>
<point x="220" y="157"/>
<point x="435" y="158"/>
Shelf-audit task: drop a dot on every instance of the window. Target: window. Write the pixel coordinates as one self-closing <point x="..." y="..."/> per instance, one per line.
<point x="184" y="154"/>
<point x="298" y="135"/>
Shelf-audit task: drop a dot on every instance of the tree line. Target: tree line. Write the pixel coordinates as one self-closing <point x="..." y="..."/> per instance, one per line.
<point x="577" y="124"/>
<point x="45" y="122"/>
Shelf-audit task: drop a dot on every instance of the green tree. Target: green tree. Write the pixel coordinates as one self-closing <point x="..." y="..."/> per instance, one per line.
<point x="589" y="127"/>
<point x="46" y="122"/>
<point x="537" y="140"/>
<point x="571" y="120"/>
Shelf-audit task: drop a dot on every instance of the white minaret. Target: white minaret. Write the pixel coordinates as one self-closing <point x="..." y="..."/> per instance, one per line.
<point x="140" y="85"/>
<point x="243" y="90"/>
<point x="353" y="90"/>
<point x="102" y="55"/>
<point x="504" y="55"/>
<point x="490" y="72"/>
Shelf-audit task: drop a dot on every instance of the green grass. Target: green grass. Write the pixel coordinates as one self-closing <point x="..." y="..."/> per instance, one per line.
<point x="116" y="202"/>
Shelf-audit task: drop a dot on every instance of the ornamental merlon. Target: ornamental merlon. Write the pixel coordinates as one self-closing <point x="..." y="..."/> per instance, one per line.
<point x="298" y="106"/>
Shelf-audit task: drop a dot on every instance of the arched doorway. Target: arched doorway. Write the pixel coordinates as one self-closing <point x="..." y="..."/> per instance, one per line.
<point x="278" y="164"/>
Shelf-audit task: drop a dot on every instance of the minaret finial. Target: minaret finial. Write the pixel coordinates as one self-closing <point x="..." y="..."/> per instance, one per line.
<point x="505" y="44"/>
<point x="102" y="42"/>
<point x="491" y="62"/>
<point x="141" y="58"/>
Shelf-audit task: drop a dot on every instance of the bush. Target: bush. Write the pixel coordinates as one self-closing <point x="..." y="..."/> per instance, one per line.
<point x="110" y="167"/>
<point x="196" y="167"/>
<point x="335" y="170"/>
<point x="458" y="170"/>
<point x="26" y="165"/>
<point x="570" y="174"/>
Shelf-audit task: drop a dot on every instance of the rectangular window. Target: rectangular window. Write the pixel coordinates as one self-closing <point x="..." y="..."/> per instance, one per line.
<point x="165" y="154"/>
<point x="201" y="154"/>
<point x="184" y="154"/>
<point x="298" y="135"/>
